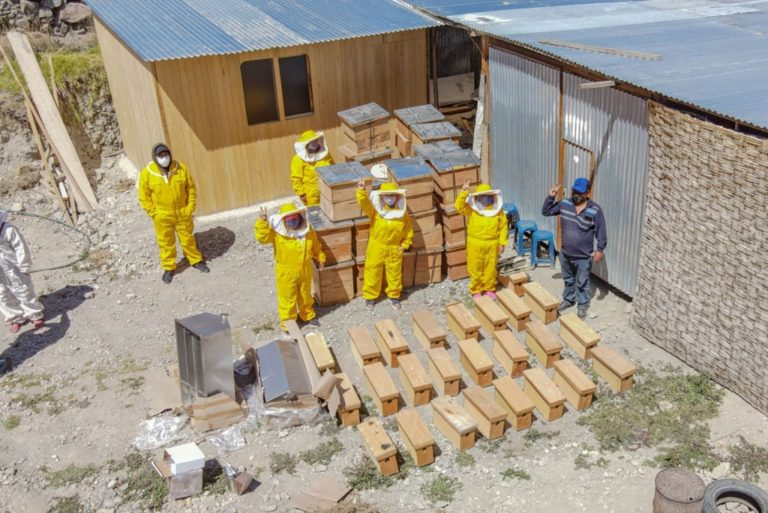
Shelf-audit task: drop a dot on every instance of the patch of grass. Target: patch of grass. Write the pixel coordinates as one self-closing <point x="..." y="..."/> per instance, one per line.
<point x="68" y="505"/>
<point x="389" y="424"/>
<point x="214" y="478"/>
<point x="283" y="462"/>
<point x="513" y="473"/>
<point x="748" y="460"/>
<point x="330" y="428"/>
<point x="464" y="459"/>
<point x="323" y="453"/>
<point x="587" y="461"/>
<point x="534" y="435"/>
<point x="370" y="406"/>
<point x="37" y="401"/>
<point x="71" y="474"/>
<point x="144" y="486"/>
<point x="133" y="383"/>
<point x="15" y="380"/>
<point x="264" y="325"/>
<point x="665" y="409"/>
<point x="363" y="475"/>
<point x="490" y="446"/>
<point x="440" y="489"/>
<point x="11" y="422"/>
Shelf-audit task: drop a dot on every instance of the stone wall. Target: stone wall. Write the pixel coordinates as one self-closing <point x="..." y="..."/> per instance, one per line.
<point x="703" y="283"/>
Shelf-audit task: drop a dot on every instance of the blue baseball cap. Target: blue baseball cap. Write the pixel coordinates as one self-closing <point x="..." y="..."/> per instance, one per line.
<point x="580" y="185"/>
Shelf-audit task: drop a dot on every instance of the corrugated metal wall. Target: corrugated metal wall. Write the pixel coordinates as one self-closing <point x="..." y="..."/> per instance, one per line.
<point x="457" y="53"/>
<point x="606" y="123"/>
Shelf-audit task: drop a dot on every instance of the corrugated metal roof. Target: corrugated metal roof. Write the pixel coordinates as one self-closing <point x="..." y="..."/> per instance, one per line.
<point x="176" y="29"/>
<point x="714" y="54"/>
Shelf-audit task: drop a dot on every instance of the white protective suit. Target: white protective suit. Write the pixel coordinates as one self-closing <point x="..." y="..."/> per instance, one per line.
<point x="18" y="302"/>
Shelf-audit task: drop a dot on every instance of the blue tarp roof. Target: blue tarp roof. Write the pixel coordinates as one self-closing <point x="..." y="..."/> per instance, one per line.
<point x="175" y="29"/>
<point x="714" y="54"/>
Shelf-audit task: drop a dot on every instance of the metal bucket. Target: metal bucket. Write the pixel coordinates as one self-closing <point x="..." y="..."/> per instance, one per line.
<point x="678" y="491"/>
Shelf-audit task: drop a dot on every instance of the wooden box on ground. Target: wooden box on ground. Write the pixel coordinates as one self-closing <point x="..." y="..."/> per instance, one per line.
<point x="490" y="417"/>
<point x="365" y="128"/>
<point x="363" y="347"/>
<point x="429" y="266"/>
<point x="512" y="357"/>
<point x="613" y="368"/>
<point x="390" y="341"/>
<point x="456" y="261"/>
<point x="410" y="116"/>
<point x="542" y="303"/>
<point x="321" y="353"/>
<point x="514" y="282"/>
<point x="424" y="133"/>
<point x="215" y="412"/>
<point x="519" y="313"/>
<point x="476" y="362"/>
<point x="367" y="158"/>
<point x="415" y="176"/>
<point x="380" y="446"/>
<point x="452" y="166"/>
<point x="445" y="375"/>
<point x="490" y="315"/>
<point x="427" y="232"/>
<point x="335" y="236"/>
<point x="416" y="383"/>
<point x="518" y="406"/>
<point x="576" y="386"/>
<point x="454" y="422"/>
<point x="578" y="335"/>
<point x="361" y="232"/>
<point x="416" y="436"/>
<point x="403" y="144"/>
<point x="543" y="343"/>
<point x="454" y="225"/>
<point x="349" y="408"/>
<point x="547" y="398"/>
<point x="334" y="284"/>
<point x="337" y="184"/>
<point x="427" y="331"/>
<point x="460" y="321"/>
<point x="382" y="389"/>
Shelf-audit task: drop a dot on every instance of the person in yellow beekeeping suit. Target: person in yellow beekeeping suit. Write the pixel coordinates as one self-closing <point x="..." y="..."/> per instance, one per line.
<point x="295" y="245"/>
<point x="487" y="233"/>
<point x="391" y="234"/>
<point x="167" y="194"/>
<point x="311" y="153"/>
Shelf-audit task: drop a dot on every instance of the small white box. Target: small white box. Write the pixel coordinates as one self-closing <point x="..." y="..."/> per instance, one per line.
<point x="184" y="458"/>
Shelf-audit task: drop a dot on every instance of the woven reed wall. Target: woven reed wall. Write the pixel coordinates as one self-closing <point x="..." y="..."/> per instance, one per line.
<point x="703" y="283"/>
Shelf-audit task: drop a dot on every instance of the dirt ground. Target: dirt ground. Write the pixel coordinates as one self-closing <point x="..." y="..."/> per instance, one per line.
<point x="75" y="396"/>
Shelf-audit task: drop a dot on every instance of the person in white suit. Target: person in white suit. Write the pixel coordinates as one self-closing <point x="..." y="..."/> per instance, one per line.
<point x="18" y="301"/>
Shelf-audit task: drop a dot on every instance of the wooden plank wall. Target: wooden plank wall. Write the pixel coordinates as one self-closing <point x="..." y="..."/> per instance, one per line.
<point x="133" y="89"/>
<point x="236" y="165"/>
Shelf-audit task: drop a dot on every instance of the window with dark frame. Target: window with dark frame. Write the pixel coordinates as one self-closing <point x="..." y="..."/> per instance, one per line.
<point x="260" y="92"/>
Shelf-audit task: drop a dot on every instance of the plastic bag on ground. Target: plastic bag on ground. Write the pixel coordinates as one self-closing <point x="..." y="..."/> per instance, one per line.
<point x="159" y="431"/>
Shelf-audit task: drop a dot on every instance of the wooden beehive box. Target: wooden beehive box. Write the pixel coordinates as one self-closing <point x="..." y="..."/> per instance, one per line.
<point x="542" y="303"/>
<point x="321" y="353"/>
<point x="543" y="343"/>
<point x="456" y="261"/>
<point x="335" y="236"/>
<point x="578" y="335"/>
<point x="427" y="331"/>
<point x="512" y="357"/>
<point x="547" y="398"/>
<point x="403" y="144"/>
<point x="613" y="368"/>
<point x="409" y="270"/>
<point x="415" y="176"/>
<point x="460" y="321"/>
<point x="367" y="158"/>
<point x="490" y="315"/>
<point x="363" y="347"/>
<point x="518" y="406"/>
<point x="416" y="436"/>
<point x="476" y="362"/>
<point x="382" y="389"/>
<point x="365" y="128"/>
<point x="454" y="225"/>
<point x="429" y="266"/>
<point x="519" y="313"/>
<point x="334" y="284"/>
<point x="380" y="446"/>
<point x="514" y="282"/>
<point x="361" y="233"/>
<point x="415" y="381"/>
<point x="445" y="375"/>
<point x="427" y="232"/>
<point x="452" y="165"/>
<point x="454" y="422"/>
<point x="390" y="341"/>
<point x="349" y="408"/>
<point x="337" y="184"/>
<point x="490" y="417"/>
<point x="574" y="384"/>
<point x="424" y="133"/>
<point x="410" y="116"/>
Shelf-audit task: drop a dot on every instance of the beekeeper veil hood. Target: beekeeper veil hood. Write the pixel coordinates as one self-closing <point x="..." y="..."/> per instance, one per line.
<point x="290" y="221"/>
<point x="389" y="201"/>
<point x="309" y="141"/>
<point x="485" y="201"/>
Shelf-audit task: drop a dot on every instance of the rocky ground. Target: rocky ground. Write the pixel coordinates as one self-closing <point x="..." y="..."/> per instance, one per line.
<point x="74" y="403"/>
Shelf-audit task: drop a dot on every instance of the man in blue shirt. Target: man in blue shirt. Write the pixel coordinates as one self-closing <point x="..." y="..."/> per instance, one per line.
<point x="581" y="222"/>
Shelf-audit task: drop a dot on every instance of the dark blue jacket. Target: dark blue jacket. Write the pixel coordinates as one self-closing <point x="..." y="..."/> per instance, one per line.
<point x="578" y="231"/>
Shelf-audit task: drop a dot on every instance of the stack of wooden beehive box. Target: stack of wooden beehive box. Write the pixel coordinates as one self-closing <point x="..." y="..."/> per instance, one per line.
<point x="367" y="137"/>
<point x="412" y="116"/>
<point x="336" y="282"/>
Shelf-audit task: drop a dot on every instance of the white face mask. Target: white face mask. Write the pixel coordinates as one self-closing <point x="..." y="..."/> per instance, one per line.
<point x="164" y="161"/>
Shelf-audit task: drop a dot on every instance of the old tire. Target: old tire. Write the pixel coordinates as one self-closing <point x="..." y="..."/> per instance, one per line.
<point x="734" y="490"/>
